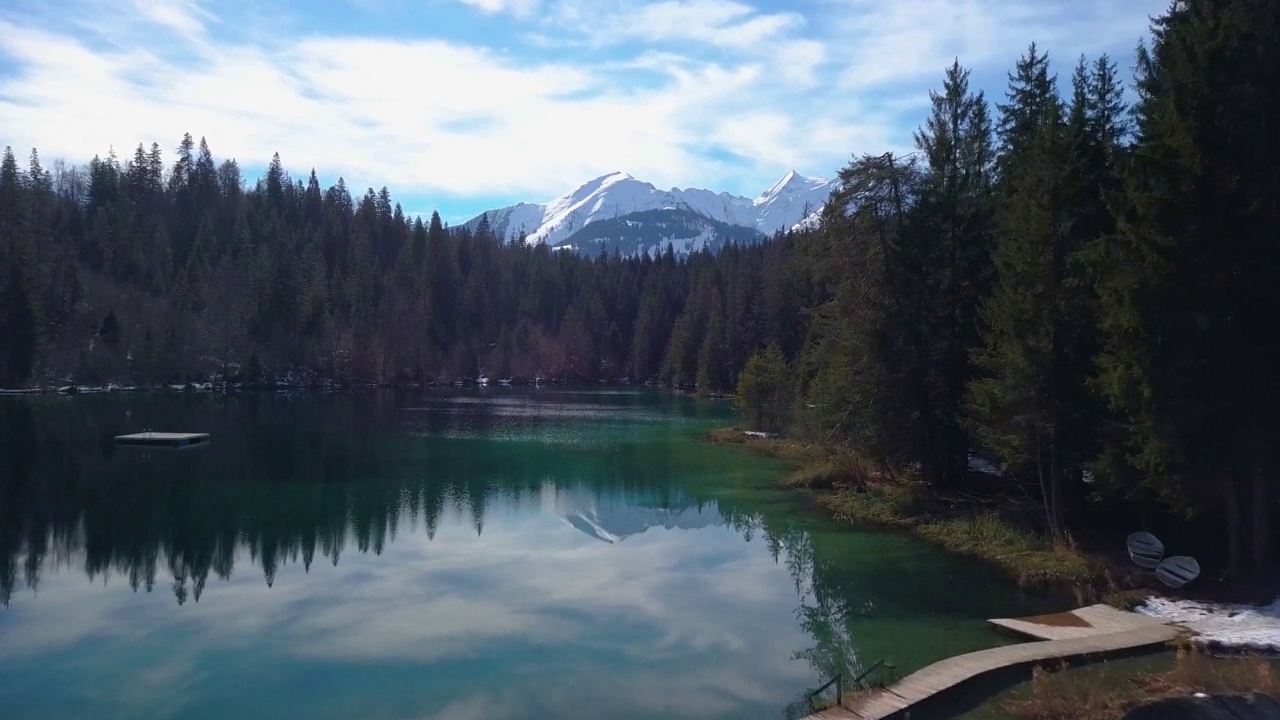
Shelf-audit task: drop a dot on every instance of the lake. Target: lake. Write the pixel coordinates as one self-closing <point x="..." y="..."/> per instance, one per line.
<point x="490" y="554"/>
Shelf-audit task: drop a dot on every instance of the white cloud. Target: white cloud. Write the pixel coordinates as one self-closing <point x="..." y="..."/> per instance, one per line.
<point x="799" y="60"/>
<point x="722" y="23"/>
<point x="892" y="42"/>
<point x="651" y="89"/>
<point x="519" y="8"/>
<point x="181" y="16"/>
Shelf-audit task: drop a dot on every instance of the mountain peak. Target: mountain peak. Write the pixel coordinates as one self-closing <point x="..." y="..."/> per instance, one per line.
<point x="791" y="182"/>
<point x="617" y="193"/>
<point x="607" y="178"/>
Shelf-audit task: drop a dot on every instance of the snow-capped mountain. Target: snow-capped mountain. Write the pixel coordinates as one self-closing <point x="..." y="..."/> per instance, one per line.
<point x="649" y="232"/>
<point x="790" y="201"/>
<point x="611" y="196"/>
<point x="811" y="222"/>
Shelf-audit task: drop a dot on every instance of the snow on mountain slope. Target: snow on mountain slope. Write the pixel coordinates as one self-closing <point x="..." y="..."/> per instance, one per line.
<point x="790" y="201"/>
<point x="811" y="221"/>
<point x="524" y="216"/>
<point x="723" y="207"/>
<point x="780" y="207"/>
<point x="648" y="232"/>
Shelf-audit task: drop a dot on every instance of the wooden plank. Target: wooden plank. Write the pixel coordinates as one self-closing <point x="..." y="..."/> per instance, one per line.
<point x="1084" y="622"/>
<point x="945" y="674"/>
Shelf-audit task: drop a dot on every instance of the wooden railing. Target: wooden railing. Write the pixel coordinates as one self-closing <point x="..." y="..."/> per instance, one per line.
<point x="838" y="681"/>
<point x="833" y="681"/>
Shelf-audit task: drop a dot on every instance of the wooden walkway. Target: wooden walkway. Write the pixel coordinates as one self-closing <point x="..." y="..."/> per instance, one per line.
<point x="1087" y="631"/>
<point x="1085" y="622"/>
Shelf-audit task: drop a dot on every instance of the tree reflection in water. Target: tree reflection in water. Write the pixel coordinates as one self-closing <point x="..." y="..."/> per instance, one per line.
<point x="285" y="480"/>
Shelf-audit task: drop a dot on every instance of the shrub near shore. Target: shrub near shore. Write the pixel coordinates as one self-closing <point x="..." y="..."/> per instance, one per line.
<point x="852" y="490"/>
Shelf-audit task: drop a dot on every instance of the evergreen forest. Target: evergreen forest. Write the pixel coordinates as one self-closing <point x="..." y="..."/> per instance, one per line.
<point x="1077" y="279"/>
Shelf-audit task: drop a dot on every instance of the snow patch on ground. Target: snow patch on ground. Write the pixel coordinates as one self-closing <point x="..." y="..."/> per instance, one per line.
<point x="982" y="465"/>
<point x="1255" y="627"/>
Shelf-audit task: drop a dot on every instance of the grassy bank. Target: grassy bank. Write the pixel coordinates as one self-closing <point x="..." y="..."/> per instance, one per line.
<point x="1072" y="695"/>
<point x="992" y="528"/>
<point x="981" y="532"/>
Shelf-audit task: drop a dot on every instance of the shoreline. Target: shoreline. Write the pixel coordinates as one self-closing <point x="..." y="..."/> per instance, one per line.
<point x="1074" y="574"/>
<point x="221" y="388"/>
<point x="976" y="522"/>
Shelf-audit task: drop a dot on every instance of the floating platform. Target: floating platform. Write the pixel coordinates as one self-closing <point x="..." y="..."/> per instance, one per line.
<point x="163" y="439"/>
<point x="1093" y="630"/>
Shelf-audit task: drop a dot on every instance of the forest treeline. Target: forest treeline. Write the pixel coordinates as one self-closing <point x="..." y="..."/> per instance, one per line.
<point x="139" y="273"/>
<point x="1081" y="289"/>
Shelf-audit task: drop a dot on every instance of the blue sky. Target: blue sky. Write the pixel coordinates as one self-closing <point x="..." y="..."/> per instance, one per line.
<point x="464" y="105"/>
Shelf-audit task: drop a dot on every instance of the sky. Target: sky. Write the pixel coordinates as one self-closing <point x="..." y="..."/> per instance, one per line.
<point x="465" y="105"/>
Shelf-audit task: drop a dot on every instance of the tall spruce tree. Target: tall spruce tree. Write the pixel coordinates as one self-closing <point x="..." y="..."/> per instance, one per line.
<point x="713" y="371"/>
<point x="12" y="210"/>
<point x="764" y="391"/>
<point x="18" y="331"/>
<point x="865" y="368"/>
<point x="1031" y="93"/>
<point x="1019" y="405"/>
<point x="952" y="251"/>
<point x="1187" y="289"/>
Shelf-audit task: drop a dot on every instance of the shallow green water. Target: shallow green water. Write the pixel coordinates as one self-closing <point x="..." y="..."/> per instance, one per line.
<point x="506" y="554"/>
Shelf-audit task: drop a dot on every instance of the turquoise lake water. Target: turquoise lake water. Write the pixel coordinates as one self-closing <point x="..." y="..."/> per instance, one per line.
<point x="439" y="555"/>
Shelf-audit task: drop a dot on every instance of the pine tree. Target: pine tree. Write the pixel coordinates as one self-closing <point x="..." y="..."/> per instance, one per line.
<point x="764" y="390"/>
<point x="475" y="301"/>
<point x="18" y="331"/>
<point x="1095" y="128"/>
<point x="582" y="336"/>
<point x="313" y="202"/>
<point x="109" y="329"/>
<point x="713" y="358"/>
<point x="180" y="174"/>
<point x="1031" y="94"/>
<point x="40" y="232"/>
<point x="419" y="246"/>
<point x="139" y="180"/>
<point x="12" y="207"/>
<point x="155" y="167"/>
<point x="205" y="186"/>
<point x="183" y="217"/>
<point x="276" y="181"/>
<point x="63" y="292"/>
<point x="1032" y="408"/>
<point x="648" y="334"/>
<point x="951" y="257"/>
<point x="1018" y="406"/>
<point x="867" y="361"/>
<point x="1187" y="287"/>
<point x="445" y="284"/>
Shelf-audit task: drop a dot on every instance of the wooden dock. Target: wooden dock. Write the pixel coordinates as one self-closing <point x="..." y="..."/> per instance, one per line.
<point x="1085" y="622"/>
<point x="1097" y="629"/>
<point x="163" y="439"/>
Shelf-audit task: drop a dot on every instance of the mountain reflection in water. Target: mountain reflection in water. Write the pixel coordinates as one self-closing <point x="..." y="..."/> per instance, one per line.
<point x="417" y="548"/>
